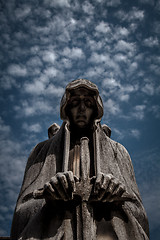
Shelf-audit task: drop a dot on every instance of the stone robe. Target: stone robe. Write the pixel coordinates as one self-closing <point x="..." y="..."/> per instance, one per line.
<point x="36" y="219"/>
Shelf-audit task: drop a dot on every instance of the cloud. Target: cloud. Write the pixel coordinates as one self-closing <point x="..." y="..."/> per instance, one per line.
<point x="106" y="61"/>
<point x="7" y="82"/>
<point x="23" y="11"/>
<point x="33" y="107"/>
<point x="133" y="15"/>
<point x="151" y="42"/>
<point x="88" y="8"/>
<point x="34" y="128"/>
<point x="135" y="133"/>
<point x="123" y="46"/>
<point x="113" y="3"/>
<point x="138" y="112"/>
<point x="111" y="107"/>
<point x="17" y="70"/>
<point x="57" y="3"/>
<point x="73" y="53"/>
<point x="43" y="87"/>
<point x="66" y="63"/>
<point x="110" y="3"/>
<point x="118" y="90"/>
<point x="148" y="89"/>
<point x="37" y="87"/>
<point x="119" y="57"/>
<point x="13" y="155"/>
<point x="111" y="83"/>
<point x="4" y="129"/>
<point x="155" y="69"/>
<point x="155" y="109"/>
<point x="50" y="72"/>
<point x="126" y="134"/>
<point x="103" y="28"/>
<point x="49" y="56"/>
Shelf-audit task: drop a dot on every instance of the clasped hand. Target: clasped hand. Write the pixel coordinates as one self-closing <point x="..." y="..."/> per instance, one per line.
<point x="106" y="188"/>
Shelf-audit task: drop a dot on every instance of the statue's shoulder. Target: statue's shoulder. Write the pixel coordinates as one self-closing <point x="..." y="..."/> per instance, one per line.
<point x="116" y="146"/>
<point x="54" y="138"/>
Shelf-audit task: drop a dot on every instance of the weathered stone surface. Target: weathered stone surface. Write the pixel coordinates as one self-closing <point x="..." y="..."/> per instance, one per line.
<point x="80" y="184"/>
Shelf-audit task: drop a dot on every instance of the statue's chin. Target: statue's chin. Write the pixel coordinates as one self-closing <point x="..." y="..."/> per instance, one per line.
<point x="81" y="124"/>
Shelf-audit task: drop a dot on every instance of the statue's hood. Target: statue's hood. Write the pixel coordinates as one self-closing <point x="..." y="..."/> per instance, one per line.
<point x="77" y="84"/>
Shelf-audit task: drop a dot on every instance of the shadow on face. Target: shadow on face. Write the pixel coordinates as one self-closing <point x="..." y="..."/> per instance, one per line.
<point x="81" y="108"/>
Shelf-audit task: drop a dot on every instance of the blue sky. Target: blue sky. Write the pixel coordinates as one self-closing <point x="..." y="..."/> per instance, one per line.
<point x="44" y="45"/>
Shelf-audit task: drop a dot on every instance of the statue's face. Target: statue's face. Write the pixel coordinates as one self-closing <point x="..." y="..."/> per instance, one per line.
<point x="81" y="108"/>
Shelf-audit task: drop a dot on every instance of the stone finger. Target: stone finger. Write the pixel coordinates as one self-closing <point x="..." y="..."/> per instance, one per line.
<point x="120" y="189"/>
<point x="106" y="182"/>
<point x="111" y="187"/>
<point x="63" y="180"/>
<point x="57" y="186"/>
<point x="49" y="189"/>
<point x="71" y="181"/>
<point x="98" y="182"/>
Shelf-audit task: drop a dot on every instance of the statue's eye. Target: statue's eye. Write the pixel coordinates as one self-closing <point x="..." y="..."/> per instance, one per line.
<point x="74" y="102"/>
<point x="88" y="103"/>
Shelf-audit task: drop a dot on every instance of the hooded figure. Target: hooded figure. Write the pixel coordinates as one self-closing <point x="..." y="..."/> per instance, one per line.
<point x="80" y="184"/>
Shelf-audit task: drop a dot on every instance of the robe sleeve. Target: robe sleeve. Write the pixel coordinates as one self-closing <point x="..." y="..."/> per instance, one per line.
<point x="26" y="206"/>
<point x="130" y="222"/>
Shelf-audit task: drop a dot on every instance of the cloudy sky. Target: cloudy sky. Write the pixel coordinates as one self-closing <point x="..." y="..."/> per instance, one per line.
<point x="44" y="45"/>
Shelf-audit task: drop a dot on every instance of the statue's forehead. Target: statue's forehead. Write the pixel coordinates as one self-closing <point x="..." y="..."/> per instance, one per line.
<point x="81" y="91"/>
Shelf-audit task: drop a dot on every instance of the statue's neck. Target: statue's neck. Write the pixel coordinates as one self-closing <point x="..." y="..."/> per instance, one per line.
<point x="78" y="133"/>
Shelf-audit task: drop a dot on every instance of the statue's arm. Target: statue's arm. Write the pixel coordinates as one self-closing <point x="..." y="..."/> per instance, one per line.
<point x="133" y="210"/>
<point x="120" y="190"/>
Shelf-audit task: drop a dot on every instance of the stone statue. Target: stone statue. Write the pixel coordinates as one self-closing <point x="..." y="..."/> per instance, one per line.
<point x="80" y="184"/>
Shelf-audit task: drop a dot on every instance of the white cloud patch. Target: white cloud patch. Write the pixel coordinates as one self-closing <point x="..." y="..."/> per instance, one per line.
<point x="120" y="57"/>
<point x="73" y="53"/>
<point x="151" y="42"/>
<point x="57" y="3"/>
<point x="34" y="128"/>
<point x="33" y="107"/>
<point x="122" y="31"/>
<point x="155" y="109"/>
<point x="13" y="155"/>
<point x="7" y="82"/>
<point x="88" y="8"/>
<point x="148" y="89"/>
<point x="120" y="91"/>
<point x="17" y="70"/>
<point x="111" y="107"/>
<point x="135" y="133"/>
<point x="110" y="3"/>
<point x="111" y="83"/>
<point x="34" y="62"/>
<point x="105" y="60"/>
<point x="103" y="27"/>
<point x="155" y="68"/>
<point x="133" y="15"/>
<point x="113" y="3"/>
<point x="49" y="56"/>
<point x="138" y="112"/>
<point x="123" y="46"/>
<point x="23" y="11"/>
<point x="4" y="129"/>
<point x="37" y="87"/>
<point x="124" y="134"/>
<point x="51" y="72"/>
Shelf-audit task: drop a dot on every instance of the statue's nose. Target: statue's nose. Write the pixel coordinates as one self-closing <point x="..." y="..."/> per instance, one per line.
<point x="82" y="106"/>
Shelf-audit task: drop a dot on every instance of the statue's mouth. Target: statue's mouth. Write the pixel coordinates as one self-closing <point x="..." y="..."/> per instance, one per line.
<point x="81" y="117"/>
